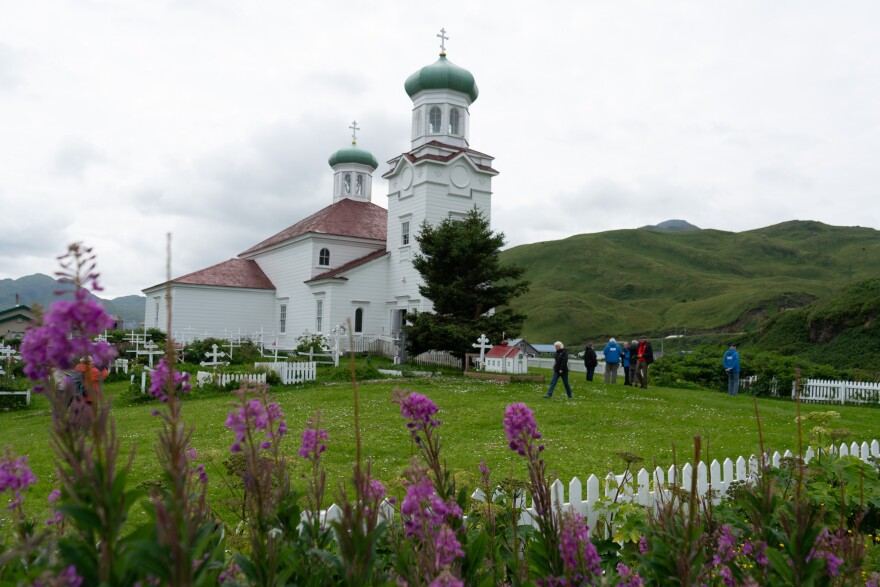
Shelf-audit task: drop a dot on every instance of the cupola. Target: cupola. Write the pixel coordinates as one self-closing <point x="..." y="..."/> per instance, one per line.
<point x="353" y="169"/>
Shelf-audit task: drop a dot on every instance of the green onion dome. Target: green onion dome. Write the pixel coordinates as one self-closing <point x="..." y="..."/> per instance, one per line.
<point x="353" y="155"/>
<point x="442" y="75"/>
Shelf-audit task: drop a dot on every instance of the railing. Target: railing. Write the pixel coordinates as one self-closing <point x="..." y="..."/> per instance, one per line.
<point x="842" y="392"/>
<point x="292" y="373"/>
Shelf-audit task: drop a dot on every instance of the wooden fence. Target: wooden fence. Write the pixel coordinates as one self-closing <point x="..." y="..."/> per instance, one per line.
<point x="648" y="489"/>
<point x="842" y="392"/>
<point x="292" y="373"/>
<point x="223" y="379"/>
<point x="442" y="358"/>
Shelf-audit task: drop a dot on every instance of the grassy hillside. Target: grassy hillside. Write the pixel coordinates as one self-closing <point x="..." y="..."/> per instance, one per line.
<point x="636" y="281"/>
<point x="841" y="330"/>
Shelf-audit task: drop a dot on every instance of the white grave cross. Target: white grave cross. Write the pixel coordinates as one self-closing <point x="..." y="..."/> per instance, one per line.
<point x="482" y="344"/>
<point x="214" y="356"/>
<point x="150" y="349"/>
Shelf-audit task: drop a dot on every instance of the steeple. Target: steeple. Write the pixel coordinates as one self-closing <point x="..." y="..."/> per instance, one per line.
<point x="442" y="94"/>
<point x="353" y="171"/>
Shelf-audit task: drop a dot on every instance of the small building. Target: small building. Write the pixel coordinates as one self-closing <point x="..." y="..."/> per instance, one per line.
<point x="545" y="349"/>
<point x="503" y="358"/>
<point x="524" y="346"/>
<point x="14" y="321"/>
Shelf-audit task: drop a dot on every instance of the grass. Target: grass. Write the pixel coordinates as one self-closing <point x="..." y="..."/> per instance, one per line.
<point x="582" y="435"/>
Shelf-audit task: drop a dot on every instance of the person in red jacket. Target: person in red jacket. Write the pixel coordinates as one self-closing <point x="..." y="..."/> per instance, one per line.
<point x="92" y="378"/>
<point x="645" y="356"/>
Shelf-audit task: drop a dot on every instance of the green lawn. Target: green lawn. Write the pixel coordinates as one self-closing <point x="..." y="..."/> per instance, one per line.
<point x="581" y="436"/>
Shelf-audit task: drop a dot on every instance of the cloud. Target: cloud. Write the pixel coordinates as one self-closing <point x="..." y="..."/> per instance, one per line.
<point x="10" y="67"/>
<point x="74" y="157"/>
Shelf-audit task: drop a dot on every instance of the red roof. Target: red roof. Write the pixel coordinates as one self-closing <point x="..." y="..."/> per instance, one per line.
<point x="452" y="150"/>
<point x="344" y="218"/>
<point x="502" y="351"/>
<point x="333" y="273"/>
<point x="231" y="273"/>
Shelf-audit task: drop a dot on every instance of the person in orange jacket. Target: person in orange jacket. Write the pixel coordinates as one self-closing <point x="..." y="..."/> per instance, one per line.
<point x="92" y="378"/>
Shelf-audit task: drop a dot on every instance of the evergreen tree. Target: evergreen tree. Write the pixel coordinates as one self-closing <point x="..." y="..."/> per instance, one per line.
<point x="469" y="287"/>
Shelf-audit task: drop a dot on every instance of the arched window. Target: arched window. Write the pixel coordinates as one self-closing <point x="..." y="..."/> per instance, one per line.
<point x="454" y="122"/>
<point x="434" y="120"/>
<point x="359" y="320"/>
<point x="324" y="257"/>
<point x="346" y="184"/>
<point x="359" y="185"/>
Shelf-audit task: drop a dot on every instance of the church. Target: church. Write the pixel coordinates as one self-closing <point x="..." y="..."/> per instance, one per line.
<point x="350" y="262"/>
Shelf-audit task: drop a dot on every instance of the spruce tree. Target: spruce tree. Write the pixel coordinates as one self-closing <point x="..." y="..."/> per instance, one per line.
<point x="467" y="284"/>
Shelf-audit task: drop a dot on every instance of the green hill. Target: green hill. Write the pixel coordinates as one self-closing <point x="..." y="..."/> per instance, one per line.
<point x="628" y="282"/>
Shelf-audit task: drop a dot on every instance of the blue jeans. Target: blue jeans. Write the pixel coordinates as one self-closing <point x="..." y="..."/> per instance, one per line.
<point x="732" y="383"/>
<point x="556" y="376"/>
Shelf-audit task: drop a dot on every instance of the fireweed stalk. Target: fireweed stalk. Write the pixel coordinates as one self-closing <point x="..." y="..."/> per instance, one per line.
<point x="83" y="436"/>
<point x="311" y="449"/>
<point x="432" y="518"/>
<point x="259" y="426"/>
<point x="522" y="434"/>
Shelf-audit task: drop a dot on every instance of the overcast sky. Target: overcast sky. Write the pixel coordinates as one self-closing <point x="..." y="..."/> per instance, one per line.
<point x="213" y="120"/>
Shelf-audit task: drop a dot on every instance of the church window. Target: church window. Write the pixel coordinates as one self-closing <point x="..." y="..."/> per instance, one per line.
<point x="324" y="257"/>
<point x="157" y="312"/>
<point x="359" y="320"/>
<point x="282" y="318"/>
<point x="404" y="232"/>
<point x="454" y="122"/>
<point x="319" y="316"/>
<point x="346" y="184"/>
<point x="359" y="184"/>
<point x="434" y="120"/>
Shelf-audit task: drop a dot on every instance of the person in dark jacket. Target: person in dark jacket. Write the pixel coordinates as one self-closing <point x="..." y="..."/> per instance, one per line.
<point x="644" y="357"/>
<point x="633" y="361"/>
<point x="590" y="361"/>
<point x="560" y="369"/>
<point x="612" y="361"/>
<point x="624" y="362"/>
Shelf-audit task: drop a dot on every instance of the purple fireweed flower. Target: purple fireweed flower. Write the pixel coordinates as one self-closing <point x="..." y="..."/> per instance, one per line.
<point x="446" y="579"/>
<point x="520" y="427"/>
<point x="160" y="377"/>
<point x="419" y="410"/>
<point x="15" y="477"/>
<point x="447" y="548"/>
<point x="65" y="335"/>
<point x="57" y="516"/>
<point x="257" y="417"/>
<point x="578" y="553"/>
<point x="643" y="545"/>
<point x="423" y="509"/>
<point x="725" y="550"/>
<point x="628" y="577"/>
<point x="312" y="443"/>
<point x="484" y="472"/>
<point x="374" y="491"/>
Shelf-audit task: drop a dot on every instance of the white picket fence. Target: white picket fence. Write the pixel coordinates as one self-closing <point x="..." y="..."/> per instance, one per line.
<point x="292" y="373"/>
<point x="442" y="358"/>
<point x="644" y="488"/>
<point x="842" y="392"/>
<point x="222" y="379"/>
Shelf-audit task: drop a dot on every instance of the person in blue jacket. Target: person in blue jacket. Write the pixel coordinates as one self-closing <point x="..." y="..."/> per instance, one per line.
<point x="612" y="360"/>
<point x="731" y="365"/>
<point x="625" y="362"/>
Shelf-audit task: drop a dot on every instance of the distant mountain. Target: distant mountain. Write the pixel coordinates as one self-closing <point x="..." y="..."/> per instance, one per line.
<point x="625" y="282"/>
<point x="671" y="226"/>
<point x="40" y="289"/>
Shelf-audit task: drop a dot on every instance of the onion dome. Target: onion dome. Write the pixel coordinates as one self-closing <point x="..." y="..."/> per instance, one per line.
<point x="442" y="75"/>
<point x="353" y="154"/>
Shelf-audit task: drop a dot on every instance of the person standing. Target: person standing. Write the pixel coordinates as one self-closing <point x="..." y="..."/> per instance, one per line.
<point x="560" y="369"/>
<point x="590" y="361"/>
<point x="633" y="361"/>
<point x="612" y="360"/>
<point x="624" y="362"/>
<point x="644" y="357"/>
<point x="731" y="365"/>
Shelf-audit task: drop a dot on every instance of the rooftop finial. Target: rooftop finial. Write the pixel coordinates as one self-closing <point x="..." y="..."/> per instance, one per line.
<point x="354" y="130"/>
<point x="443" y="38"/>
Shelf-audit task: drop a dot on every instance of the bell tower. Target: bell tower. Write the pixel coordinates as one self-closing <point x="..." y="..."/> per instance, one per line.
<point x="440" y="177"/>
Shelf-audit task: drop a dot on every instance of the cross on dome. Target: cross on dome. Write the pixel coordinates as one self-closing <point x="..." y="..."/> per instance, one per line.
<point x="443" y="38"/>
<point x="354" y="129"/>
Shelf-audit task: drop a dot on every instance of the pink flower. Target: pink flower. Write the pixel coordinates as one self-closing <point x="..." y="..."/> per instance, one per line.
<point x="579" y="556"/>
<point x="15" y="476"/>
<point x="160" y="377"/>
<point x="312" y="443"/>
<point x="419" y="410"/>
<point x="520" y="427"/>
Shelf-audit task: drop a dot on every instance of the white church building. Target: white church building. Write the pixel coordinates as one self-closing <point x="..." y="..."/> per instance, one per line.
<point x="352" y="260"/>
